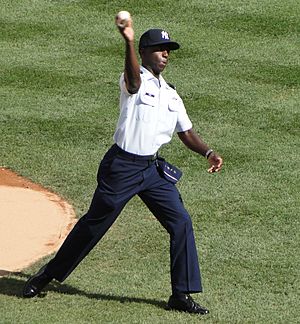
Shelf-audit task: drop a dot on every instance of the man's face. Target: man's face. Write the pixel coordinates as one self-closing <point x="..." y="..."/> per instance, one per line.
<point x="155" y="58"/>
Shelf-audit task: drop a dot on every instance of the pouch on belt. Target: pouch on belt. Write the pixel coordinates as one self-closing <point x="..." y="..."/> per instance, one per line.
<point x="168" y="171"/>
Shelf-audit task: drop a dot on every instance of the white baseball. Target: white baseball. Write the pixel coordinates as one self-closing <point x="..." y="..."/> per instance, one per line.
<point x="122" y="18"/>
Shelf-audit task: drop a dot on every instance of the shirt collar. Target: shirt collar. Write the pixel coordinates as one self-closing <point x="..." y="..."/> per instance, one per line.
<point x="150" y="76"/>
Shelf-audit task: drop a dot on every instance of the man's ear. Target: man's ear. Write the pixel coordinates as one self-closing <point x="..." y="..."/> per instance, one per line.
<point x="141" y="51"/>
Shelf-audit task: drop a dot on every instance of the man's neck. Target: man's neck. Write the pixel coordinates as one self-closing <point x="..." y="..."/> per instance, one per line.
<point x="151" y="71"/>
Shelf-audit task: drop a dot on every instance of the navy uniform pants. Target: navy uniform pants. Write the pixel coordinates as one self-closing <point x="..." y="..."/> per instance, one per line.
<point x="121" y="176"/>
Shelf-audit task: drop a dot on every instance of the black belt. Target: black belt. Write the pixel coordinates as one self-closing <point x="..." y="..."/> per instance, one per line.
<point x="135" y="157"/>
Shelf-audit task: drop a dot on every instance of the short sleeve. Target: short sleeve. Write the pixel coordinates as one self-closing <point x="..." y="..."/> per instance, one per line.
<point x="183" y="121"/>
<point x="122" y="85"/>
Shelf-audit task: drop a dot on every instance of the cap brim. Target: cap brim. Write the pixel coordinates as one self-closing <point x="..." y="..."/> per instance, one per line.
<point x="171" y="45"/>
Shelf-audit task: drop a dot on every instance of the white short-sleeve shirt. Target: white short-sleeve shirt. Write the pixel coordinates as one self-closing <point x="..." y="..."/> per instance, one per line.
<point x="149" y="117"/>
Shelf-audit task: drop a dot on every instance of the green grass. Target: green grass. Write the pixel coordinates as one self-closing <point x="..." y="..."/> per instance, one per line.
<point x="238" y="72"/>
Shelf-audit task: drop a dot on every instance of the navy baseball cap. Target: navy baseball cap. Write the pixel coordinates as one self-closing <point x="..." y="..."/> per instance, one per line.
<point x="153" y="37"/>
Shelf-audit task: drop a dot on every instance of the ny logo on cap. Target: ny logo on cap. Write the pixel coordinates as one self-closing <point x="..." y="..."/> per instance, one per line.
<point x="164" y="35"/>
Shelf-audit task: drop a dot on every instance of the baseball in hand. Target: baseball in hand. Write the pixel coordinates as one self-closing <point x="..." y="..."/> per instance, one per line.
<point x="122" y="19"/>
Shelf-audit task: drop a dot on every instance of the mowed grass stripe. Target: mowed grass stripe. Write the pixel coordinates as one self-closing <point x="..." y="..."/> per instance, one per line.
<point x="238" y="73"/>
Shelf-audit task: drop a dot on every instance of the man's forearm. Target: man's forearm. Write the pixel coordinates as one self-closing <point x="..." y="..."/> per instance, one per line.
<point x="132" y="69"/>
<point x="192" y="140"/>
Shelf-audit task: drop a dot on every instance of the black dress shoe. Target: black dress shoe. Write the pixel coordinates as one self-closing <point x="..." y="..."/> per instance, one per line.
<point x="186" y="304"/>
<point x="36" y="283"/>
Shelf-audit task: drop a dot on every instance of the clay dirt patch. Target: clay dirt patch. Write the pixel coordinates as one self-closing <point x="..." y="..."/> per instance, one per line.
<point x="33" y="221"/>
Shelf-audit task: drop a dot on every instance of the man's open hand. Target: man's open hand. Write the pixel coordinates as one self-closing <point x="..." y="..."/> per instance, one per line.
<point x="215" y="162"/>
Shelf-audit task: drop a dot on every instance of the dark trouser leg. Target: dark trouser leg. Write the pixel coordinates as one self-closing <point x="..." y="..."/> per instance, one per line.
<point x="117" y="183"/>
<point x="86" y="233"/>
<point x="165" y="203"/>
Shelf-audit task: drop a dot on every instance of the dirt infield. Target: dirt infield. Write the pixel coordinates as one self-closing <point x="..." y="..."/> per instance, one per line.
<point x="33" y="221"/>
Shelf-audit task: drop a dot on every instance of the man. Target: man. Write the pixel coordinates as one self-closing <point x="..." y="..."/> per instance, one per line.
<point x="150" y="111"/>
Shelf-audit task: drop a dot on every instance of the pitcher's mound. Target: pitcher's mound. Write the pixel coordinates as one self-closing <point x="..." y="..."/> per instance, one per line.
<point x="33" y="222"/>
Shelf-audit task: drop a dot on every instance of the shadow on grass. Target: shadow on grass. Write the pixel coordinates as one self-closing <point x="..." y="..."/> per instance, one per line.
<point x="13" y="284"/>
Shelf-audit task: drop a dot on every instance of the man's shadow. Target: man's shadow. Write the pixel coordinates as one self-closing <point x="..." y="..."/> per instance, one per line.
<point x="13" y="283"/>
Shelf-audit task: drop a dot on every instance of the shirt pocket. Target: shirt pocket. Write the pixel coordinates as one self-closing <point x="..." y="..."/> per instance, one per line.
<point x="168" y="118"/>
<point x="174" y="104"/>
<point x="146" y="107"/>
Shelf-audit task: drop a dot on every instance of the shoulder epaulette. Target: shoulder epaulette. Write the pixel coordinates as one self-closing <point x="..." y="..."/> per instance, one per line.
<point x="171" y="85"/>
